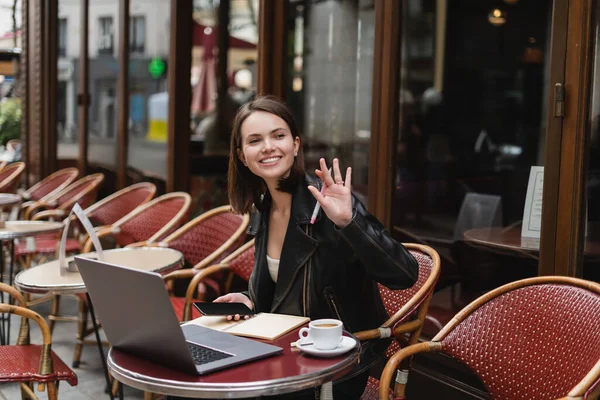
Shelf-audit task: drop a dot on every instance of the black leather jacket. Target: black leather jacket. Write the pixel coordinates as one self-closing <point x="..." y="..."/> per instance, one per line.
<point x="326" y="272"/>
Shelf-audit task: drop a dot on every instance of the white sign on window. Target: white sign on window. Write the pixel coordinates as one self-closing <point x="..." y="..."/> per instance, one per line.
<point x="532" y="213"/>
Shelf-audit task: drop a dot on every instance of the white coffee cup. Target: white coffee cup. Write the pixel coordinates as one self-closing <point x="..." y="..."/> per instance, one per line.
<point x="325" y="334"/>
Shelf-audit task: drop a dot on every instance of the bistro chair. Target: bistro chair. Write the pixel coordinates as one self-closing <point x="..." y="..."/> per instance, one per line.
<point x="83" y="191"/>
<point x="537" y="338"/>
<point x="407" y="309"/>
<point x="49" y="186"/>
<point x="239" y="263"/>
<point x="145" y="225"/>
<point x="27" y="363"/>
<point x="10" y="176"/>
<point x="207" y="239"/>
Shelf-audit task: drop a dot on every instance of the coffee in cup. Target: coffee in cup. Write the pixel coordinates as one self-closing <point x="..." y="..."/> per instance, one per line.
<point x="325" y="334"/>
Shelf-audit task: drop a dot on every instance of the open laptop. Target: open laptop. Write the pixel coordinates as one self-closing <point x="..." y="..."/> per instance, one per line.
<point x="138" y="318"/>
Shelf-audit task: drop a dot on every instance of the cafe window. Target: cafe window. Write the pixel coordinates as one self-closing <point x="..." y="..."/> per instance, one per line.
<point x="62" y="37"/>
<point x="137" y="34"/>
<point x="105" y="35"/>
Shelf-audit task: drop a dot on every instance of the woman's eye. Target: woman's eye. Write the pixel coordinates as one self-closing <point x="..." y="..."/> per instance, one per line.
<point x="253" y="141"/>
<point x="280" y="136"/>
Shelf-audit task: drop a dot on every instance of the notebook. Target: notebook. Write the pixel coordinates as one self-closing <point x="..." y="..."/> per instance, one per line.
<point x="266" y="326"/>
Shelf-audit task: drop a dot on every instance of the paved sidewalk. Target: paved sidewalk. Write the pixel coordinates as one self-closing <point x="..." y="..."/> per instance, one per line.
<point x="90" y="374"/>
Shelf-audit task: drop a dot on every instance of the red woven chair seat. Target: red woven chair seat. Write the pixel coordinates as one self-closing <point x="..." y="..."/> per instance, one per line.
<point x="372" y="390"/>
<point x="178" y="303"/>
<point x="46" y="245"/>
<point x="22" y="363"/>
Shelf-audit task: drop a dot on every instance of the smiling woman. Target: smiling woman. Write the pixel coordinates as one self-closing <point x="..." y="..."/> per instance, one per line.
<point x="328" y="269"/>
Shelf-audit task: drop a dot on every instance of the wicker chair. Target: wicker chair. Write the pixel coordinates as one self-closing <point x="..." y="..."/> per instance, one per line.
<point x="10" y="177"/>
<point x="145" y="225"/>
<point x="537" y="338"/>
<point x="150" y="223"/>
<point x="49" y="186"/>
<point x="207" y="239"/>
<point x="407" y="309"/>
<point x="26" y="363"/>
<point x="240" y="263"/>
<point x="83" y="191"/>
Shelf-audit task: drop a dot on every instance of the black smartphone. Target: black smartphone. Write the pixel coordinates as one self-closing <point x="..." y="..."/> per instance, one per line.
<point x="223" y="309"/>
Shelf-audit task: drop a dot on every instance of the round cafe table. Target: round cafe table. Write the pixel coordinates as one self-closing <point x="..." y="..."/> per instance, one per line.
<point x="288" y="372"/>
<point x="9" y="200"/>
<point x="8" y="233"/>
<point x="47" y="278"/>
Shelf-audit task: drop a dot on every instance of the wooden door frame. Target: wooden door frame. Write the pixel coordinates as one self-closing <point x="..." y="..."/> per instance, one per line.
<point x="272" y="49"/>
<point x="565" y="175"/>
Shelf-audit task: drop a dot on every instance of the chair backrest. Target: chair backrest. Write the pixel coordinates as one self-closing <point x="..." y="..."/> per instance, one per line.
<point x="10" y="176"/>
<point x="154" y="220"/>
<point x="478" y="211"/>
<point x="241" y="261"/>
<point x="51" y="184"/>
<point x="210" y="236"/>
<point x="404" y="304"/>
<point x="114" y="207"/>
<point x="535" y="338"/>
<point x="83" y="191"/>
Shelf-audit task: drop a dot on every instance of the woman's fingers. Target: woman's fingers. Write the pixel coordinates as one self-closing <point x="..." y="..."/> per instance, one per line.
<point x="336" y="172"/>
<point x="348" y="182"/>
<point x="326" y="175"/>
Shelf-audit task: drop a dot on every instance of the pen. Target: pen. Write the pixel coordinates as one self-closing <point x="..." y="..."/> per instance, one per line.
<point x="318" y="205"/>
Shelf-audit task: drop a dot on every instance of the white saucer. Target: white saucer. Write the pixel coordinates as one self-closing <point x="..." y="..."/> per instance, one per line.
<point x="345" y="345"/>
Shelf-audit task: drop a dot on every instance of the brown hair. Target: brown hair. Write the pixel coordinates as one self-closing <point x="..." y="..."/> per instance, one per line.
<point x="246" y="189"/>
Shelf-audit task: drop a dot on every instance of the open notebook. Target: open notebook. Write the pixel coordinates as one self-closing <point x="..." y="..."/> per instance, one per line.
<point x="260" y="326"/>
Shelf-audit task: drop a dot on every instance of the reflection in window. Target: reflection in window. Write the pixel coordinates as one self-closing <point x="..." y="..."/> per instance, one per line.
<point x="137" y="34"/>
<point x="62" y="37"/>
<point x="105" y="35"/>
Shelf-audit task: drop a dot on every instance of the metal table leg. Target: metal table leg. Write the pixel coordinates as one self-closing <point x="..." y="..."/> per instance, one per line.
<point x="100" y="348"/>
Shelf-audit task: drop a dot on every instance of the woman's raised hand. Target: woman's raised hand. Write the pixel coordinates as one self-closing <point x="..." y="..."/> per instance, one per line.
<point x="235" y="298"/>
<point x="336" y="199"/>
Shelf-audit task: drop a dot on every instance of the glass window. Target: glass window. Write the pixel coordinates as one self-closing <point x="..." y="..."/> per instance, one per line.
<point x="331" y="61"/>
<point x="148" y="96"/>
<point x="62" y="37"/>
<point x="67" y="126"/>
<point x="105" y="35"/>
<point x="474" y="81"/>
<point x="137" y="34"/>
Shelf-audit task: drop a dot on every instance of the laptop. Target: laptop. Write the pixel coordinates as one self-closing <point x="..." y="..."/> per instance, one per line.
<point x="138" y="318"/>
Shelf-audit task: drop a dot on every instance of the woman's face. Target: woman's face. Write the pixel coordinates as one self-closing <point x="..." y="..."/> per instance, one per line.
<point x="268" y="148"/>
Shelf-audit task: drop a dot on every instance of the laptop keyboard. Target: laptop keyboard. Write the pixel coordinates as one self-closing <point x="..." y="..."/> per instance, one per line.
<point x="204" y="355"/>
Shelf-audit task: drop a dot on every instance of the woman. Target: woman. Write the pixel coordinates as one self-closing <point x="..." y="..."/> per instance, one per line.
<point x="328" y="269"/>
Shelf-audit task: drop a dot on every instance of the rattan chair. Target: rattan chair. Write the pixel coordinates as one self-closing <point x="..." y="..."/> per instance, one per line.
<point x="240" y="263"/>
<point x="407" y="309"/>
<point x="10" y="176"/>
<point x="207" y="239"/>
<point x="150" y="223"/>
<point x="26" y="363"/>
<point x="49" y="186"/>
<point x="83" y="191"/>
<point x="537" y="338"/>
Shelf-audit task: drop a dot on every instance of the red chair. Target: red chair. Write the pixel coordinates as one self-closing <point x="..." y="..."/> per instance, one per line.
<point x="49" y="186"/>
<point x="83" y="191"/>
<point x="208" y="238"/>
<point x="407" y="309"/>
<point x="240" y="263"/>
<point x="536" y="338"/>
<point x="10" y="176"/>
<point x="26" y="363"/>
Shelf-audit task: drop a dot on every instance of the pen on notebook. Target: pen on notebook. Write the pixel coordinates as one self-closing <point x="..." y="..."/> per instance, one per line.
<point x="318" y="205"/>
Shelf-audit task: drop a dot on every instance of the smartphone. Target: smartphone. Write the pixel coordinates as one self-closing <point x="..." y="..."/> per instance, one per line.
<point x="223" y="309"/>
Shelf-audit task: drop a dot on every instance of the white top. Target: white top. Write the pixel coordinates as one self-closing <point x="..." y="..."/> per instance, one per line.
<point x="273" y="268"/>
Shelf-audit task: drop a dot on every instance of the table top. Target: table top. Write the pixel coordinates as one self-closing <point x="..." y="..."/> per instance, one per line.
<point x="510" y="239"/>
<point x="19" y="229"/>
<point x="288" y="372"/>
<point x="46" y="277"/>
<point x="10" y="199"/>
